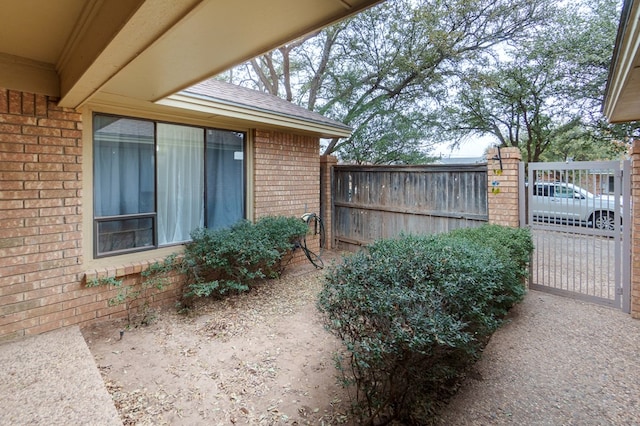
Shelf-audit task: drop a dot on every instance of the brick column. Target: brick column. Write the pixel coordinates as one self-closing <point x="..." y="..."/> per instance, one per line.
<point x="326" y="211"/>
<point x="503" y="186"/>
<point x="635" y="229"/>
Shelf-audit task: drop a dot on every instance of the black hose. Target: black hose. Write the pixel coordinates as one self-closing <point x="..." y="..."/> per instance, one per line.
<point x="318" y="229"/>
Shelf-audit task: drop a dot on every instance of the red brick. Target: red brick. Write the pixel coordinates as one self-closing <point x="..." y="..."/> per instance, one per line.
<point x="8" y="243"/>
<point x="11" y="223"/>
<point x="18" y="326"/>
<point x="44" y="327"/>
<point x="11" y="167"/>
<point x="18" y="195"/>
<point x="79" y="319"/>
<point x="58" y="247"/>
<point x="50" y="184"/>
<point x="17" y="119"/>
<point x="18" y="139"/>
<point x="17" y="157"/>
<point x="68" y="167"/>
<point x="45" y="168"/>
<point x="66" y="133"/>
<point x="28" y="104"/>
<point x="42" y="239"/>
<point x="57" y="193"/>
<point x="4" y="101"/>
<point x="11" y="204"/>
<point x="15" y="102"/>
<point x="12" y="185"/>
<point x="73" y="150"/>
<point x="59" y="281"/>
<point x="41" y="105"/>
<point x="36" y="204"/>
<point x="61" y="124"/>
<point x="12" y="298"/>
<point x="14" y="308"/>
<point x="57" y="211"/>
<point x="44" y="149"/>
<point x="10" y="128"/>
<point x="17" y="176"/>
<point x="58" y="141"/>
<point x="41" y="131"/>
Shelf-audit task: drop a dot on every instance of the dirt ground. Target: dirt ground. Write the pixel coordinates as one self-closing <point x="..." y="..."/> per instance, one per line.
<point x="260" y="358"/>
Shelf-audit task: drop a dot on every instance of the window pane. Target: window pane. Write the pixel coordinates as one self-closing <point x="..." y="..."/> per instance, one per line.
<point x="180" y="182"/>
<point x="225" y="178"/>
<point x="124" y="234"/>
<point x="123" y="166"/>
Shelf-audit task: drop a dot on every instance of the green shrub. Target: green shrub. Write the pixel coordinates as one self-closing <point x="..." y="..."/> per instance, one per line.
<point x="217" y="262"/>
<point x="514" y="247"/>
<point x="414" y="313"/>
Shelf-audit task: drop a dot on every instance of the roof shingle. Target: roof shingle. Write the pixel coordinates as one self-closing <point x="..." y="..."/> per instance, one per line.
<point x="219" y="91"/>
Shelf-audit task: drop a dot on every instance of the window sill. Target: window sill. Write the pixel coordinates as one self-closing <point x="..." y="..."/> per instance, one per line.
<point x="122" y="266"/>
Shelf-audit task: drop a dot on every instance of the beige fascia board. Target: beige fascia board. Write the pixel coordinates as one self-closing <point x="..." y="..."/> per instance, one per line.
<point x="625" y="62"/>
<point x="110" y="36"/>
<point x="27" y="75"/>
<point x="254" y="116"/>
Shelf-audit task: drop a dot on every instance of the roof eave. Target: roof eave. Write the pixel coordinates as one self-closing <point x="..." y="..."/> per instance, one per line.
<point x="218" y="108"/>
<point x="623" y="66"/>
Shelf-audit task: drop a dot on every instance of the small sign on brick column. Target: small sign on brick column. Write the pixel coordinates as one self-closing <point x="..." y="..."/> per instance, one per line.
<point x="502" y="173"/>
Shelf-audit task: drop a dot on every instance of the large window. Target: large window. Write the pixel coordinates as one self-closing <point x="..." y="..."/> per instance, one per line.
<point x="154" y="183"/>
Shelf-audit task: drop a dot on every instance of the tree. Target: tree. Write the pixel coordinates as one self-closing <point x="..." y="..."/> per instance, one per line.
<point x="543" y="95"/>
<point x="384" y="72"/>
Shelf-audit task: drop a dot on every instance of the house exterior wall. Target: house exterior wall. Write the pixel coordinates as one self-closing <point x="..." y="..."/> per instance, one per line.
<point x="287" y="178"/>
<point x="635" y="229"/>
<point x="40" y="215"/>
<point x="43" y="271"/>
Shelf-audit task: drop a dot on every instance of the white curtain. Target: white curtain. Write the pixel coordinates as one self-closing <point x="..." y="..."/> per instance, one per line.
<point x="180" y="187"/>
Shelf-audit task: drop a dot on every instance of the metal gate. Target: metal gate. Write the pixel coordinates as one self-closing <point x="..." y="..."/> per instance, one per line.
<point x="579" y="214"/>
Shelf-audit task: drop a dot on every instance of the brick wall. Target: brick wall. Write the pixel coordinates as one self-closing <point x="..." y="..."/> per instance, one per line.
<point x="502" y="199"/>
<point x="40" y="214"/>
<point x="287" y="177"/>
<point x="635" y="229"/>
<point x="42" y="278"/>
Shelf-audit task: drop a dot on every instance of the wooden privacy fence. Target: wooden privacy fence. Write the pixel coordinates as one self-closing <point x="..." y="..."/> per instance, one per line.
<point x="375" y="202"/>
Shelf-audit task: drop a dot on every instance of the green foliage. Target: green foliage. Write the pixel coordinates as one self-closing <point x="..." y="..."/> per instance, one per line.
<point x="543" y="93"/>
<point x="217" y="262"/>
<point x="136" y="297"/>
<point x="385" y="71"/>
<point x="415" y="312"/>
<point x="106" y="281"/>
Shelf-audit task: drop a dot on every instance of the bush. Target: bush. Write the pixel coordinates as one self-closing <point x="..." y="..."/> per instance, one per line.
<point x="414" y="313"/>
<point x="217" y="262"/>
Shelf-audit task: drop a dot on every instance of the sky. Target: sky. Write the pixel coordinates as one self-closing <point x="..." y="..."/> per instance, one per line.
<point x="468" y="148"/>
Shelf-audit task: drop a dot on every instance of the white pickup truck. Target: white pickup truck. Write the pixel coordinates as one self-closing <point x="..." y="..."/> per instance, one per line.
<point x="567" y="203"/>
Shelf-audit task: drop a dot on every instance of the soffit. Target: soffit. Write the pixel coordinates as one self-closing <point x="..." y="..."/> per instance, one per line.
<point x="145" y="49"/>
<point x="622" y="98"/>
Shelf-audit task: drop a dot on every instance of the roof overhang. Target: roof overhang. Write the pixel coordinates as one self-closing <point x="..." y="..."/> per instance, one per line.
<point x="622" y="97"/>
<point x="145" y="49"/>
<point x="218" y="109"/>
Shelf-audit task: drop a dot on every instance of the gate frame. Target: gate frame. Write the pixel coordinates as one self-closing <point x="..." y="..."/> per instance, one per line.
<point x="623" y="248"/>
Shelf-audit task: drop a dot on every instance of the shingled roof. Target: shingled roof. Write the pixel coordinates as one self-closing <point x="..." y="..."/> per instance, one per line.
<point x="236" y="96"/>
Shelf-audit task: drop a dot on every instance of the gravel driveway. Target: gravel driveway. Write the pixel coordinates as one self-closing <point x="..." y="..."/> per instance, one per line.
<point x="557" y="362"/>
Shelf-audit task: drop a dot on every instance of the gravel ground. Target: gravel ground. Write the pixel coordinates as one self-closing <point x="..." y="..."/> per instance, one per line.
<point x="557" y="362"/>
<point x="263" y="358"/>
